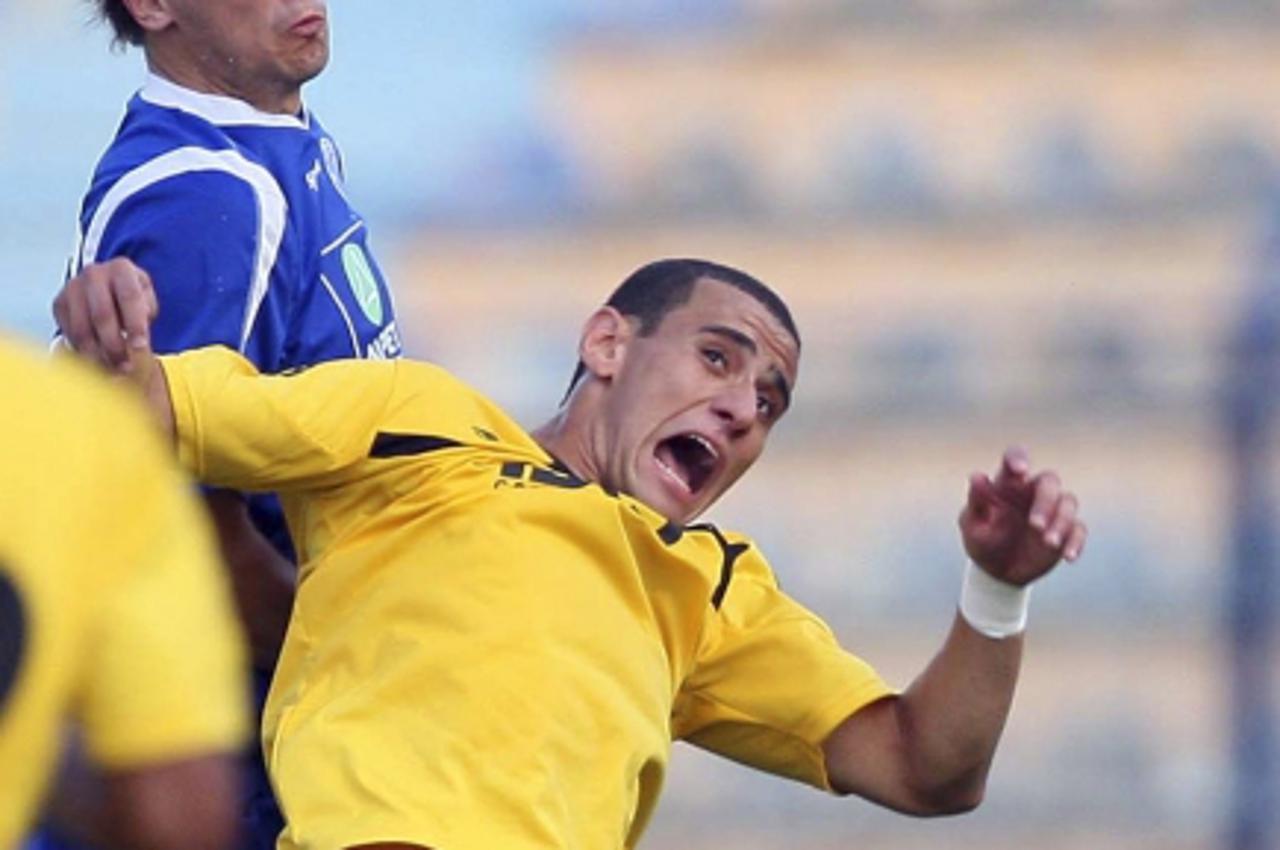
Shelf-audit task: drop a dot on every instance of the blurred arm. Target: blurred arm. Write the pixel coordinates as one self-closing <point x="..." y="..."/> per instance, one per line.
<point x="182" y="805"/>
<point x="186" y="803"/>
<point x="262" y="580"/>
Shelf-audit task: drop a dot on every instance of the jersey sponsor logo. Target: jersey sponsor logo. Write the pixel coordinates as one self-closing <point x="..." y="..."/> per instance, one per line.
<point x="13" y="635"/>
<point x="363" y="282"/>
<point x="386" y="345"/>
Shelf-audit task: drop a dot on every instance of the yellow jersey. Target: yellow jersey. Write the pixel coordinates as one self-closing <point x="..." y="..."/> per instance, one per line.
<point x="487" y="651"/>
<point x="113" y="612"/>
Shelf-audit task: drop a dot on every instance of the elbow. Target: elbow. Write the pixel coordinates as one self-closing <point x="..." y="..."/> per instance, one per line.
<point x="955" y="798"/>
<point x="925" y="799"/>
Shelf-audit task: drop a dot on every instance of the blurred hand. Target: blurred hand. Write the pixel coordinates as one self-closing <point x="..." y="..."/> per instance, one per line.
<point x="106" y="311"/>
<point x="1018" y="526"/>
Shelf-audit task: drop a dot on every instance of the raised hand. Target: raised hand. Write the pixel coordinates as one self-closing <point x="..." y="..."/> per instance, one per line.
<point x="107" y="310"/>
<point x="1018" y="525"/>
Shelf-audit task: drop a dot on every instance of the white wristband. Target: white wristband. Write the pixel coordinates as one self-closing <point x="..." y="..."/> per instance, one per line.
<point x="995" y="608"/>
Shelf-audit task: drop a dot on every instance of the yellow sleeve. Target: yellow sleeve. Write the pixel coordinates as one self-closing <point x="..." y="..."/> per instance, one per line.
<point x="164" y="674"/>
<point x="771" y="682"/>
<point x="240" y="429"/>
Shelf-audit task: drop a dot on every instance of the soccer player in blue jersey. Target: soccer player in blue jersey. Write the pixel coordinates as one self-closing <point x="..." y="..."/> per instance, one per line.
<point x="225" y="189"/>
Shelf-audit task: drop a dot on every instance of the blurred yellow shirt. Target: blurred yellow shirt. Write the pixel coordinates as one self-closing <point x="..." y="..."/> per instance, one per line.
<point x="113" y="612"/>
<point x="486" y="651"/>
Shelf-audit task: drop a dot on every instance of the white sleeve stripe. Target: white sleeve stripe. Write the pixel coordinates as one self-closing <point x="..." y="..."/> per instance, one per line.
<point x="271" y="203"/>
<point x="346" y="234"/>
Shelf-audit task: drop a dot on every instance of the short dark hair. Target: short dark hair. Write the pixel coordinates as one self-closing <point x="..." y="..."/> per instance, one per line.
<point x="127" y="30"/>
<point x="654" y="290"/>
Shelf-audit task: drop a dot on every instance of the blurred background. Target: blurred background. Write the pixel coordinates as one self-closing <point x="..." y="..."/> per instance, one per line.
<point x="1047" y="222"/>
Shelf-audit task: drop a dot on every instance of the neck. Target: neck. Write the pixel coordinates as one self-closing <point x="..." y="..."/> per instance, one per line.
<point x="192" y="76"/>
<point x="564" y="439"/>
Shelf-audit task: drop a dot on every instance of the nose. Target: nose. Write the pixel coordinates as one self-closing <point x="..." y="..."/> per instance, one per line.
<point x="735" y="405"/>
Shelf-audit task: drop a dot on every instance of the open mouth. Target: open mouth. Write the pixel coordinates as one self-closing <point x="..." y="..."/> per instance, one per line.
<point x="691" y="459"/>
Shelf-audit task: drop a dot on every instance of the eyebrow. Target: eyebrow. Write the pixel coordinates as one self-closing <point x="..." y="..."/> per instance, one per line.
<point x="733" y="335"/>
<point x="739" y="338"/>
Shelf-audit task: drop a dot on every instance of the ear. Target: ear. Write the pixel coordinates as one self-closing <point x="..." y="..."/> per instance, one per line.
<point x="604" y="342"/>
<point x="151" y="15"/>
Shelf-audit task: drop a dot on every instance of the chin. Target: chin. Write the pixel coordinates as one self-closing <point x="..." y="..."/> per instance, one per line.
<point x="311" y="70"/>
<point x="308" y="64"/>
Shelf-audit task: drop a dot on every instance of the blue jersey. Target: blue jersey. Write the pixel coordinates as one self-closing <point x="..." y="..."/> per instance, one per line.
<point x="241" y="220"/>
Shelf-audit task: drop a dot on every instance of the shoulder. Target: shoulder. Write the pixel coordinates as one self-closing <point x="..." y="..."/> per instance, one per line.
<point x="203" y="190"/>
<point x="159" y="144"/>
<point x="148" y="168"/>
<point x="149" y="132"/>
<point x="425" y="398"/>
<point x="421" y="378"/>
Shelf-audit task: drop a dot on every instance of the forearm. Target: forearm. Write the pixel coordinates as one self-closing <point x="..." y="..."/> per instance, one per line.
<point x="262" y="580"/>
<point x="953" y="714"/>
<point x="928" y="750"/>
<point x="145" y="371"/>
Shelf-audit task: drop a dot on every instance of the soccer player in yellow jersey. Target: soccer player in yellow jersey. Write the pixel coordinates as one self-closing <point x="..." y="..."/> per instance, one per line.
<point x="113" y="616"/>
<point x="498" y="633"/>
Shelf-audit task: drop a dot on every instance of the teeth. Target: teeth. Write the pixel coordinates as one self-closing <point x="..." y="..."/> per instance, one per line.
<point x="706" y="444"/>
<point x="675" y="475"/>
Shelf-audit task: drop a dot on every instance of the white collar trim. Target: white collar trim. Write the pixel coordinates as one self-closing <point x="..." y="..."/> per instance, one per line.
<point x="215" y="108"/>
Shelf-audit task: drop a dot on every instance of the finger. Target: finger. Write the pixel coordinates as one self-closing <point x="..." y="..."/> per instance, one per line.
<point x="72" y="315"/>
<point x="1046" y="494"/>
<point x="136" y="302"/>
<point x="1015" y="467"/>
<point x="153" y="305"/>
<point x="982" y="494"/>
<point x="104" y="319"/>
<point x="1075" y="541"/>
<point x="1063" y="520"/>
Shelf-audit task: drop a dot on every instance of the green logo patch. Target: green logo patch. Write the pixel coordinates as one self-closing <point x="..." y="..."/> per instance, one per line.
<point x="363" y="282"/>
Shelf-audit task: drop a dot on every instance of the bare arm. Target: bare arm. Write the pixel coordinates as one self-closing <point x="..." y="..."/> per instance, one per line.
<point x="183" y="805"/>
<point x="145" y="371"/>
<point x="262" y="580"/>
<point x="928" y="751"/>
<point x="189" y="804"/>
